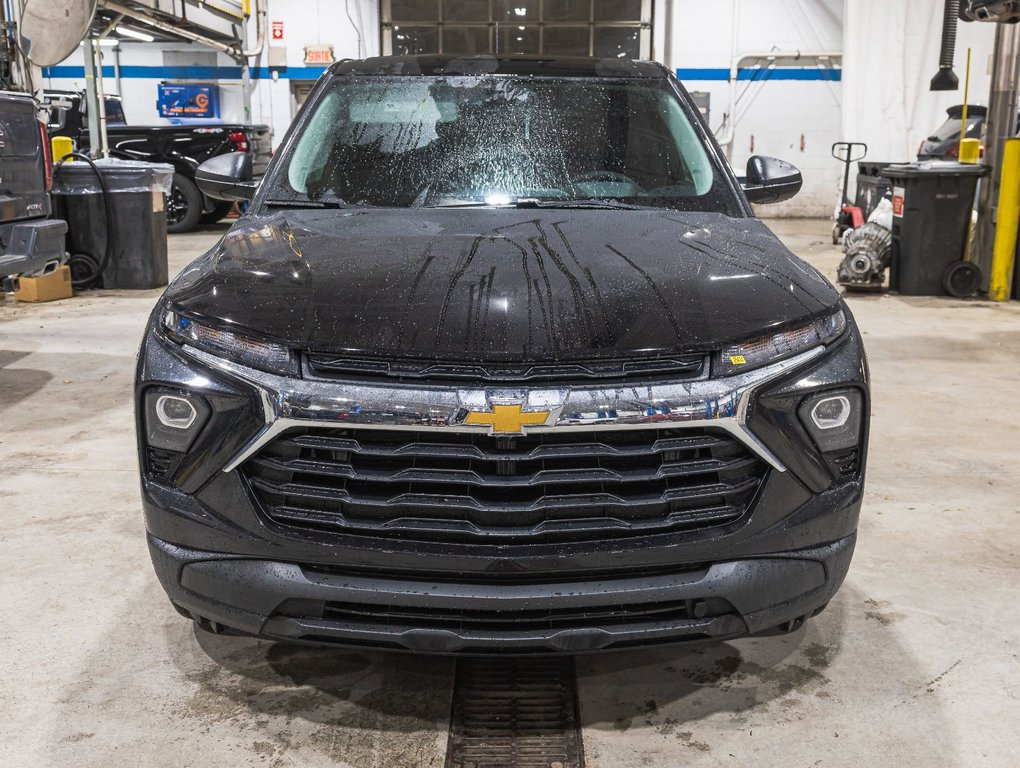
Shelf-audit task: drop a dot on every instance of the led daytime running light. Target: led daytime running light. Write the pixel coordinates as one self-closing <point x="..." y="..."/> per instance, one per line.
<point x="263" y="355"/>
<point x="770" y="349"/>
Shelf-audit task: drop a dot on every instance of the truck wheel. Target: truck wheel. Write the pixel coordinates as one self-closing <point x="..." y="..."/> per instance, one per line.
<point x="183" y="206"/>
<point x="217" y="213"/>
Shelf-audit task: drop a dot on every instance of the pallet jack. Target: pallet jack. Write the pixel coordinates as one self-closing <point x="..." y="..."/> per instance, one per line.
<point x="849" y="216"/>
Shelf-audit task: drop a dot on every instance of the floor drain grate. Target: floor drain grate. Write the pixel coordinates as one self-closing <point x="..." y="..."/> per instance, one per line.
<point x="515" y="713"/>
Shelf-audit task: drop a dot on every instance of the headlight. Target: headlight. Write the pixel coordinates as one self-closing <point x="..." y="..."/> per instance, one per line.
<point x="263" y="355"/>
<point x="770" y="349"/>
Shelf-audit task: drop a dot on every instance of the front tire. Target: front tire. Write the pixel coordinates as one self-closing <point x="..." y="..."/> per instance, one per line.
<point x="219" y="211"/>
<point x="183" y="206"/>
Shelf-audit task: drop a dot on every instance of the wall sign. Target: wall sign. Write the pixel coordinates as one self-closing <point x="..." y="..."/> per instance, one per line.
<point x="178" y="100"/>
<point x="277" y="33"/>
<point x="319" y="54"/>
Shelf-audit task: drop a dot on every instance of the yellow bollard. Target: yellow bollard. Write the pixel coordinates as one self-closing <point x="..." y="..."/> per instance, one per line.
<point x="62" y="147"/>
<point x="970" y="151"/>
<point x="1000" y="282"/>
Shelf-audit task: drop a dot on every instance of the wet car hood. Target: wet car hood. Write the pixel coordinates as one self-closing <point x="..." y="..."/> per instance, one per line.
<point x="496" y="285"/>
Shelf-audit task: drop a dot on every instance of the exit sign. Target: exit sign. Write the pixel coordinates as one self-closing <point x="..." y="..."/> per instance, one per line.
<point x="319" y="54"/>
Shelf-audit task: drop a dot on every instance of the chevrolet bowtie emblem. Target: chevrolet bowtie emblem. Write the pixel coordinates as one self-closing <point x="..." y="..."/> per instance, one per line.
<point x="507" y="419"/>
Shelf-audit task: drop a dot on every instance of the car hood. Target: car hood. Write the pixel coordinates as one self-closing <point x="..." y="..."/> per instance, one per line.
<point x="501" y="284"/>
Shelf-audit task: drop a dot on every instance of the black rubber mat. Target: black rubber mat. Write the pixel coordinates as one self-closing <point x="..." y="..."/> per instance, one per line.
<point x="515" y="713"/>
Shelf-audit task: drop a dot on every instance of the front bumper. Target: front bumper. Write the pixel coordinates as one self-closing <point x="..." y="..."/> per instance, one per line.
<point x="285" y="601"/>
<point x="224" y="562"/>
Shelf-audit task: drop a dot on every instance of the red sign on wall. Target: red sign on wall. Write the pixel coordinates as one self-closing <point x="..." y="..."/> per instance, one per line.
<point x="277" y="30"/>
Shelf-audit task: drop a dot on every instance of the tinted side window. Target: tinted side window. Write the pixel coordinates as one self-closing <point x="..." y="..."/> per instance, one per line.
<point x="19" y="130"/>
<point x="115" y="112"/>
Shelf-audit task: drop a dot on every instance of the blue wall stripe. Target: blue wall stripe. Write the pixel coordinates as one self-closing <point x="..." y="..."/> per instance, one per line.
<point x="186" y="73"/>
<point x="778" y="73"/>
<point x="807" y="74"/>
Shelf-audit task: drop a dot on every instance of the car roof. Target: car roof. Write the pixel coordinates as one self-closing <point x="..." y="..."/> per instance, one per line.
<point x="533" y="66"/>
<point x="17" y="96"/>
<point x="973" y="110"/>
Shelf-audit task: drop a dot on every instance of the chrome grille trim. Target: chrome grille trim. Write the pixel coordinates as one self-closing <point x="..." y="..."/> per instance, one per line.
<point x="717" y="403"/>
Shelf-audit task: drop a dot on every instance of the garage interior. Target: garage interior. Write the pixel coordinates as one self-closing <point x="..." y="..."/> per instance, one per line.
<point x="915" y="660"/>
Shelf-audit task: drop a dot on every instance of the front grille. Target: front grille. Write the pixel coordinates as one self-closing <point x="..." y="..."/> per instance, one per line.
<point x="517" y="620"/>
<point x="456" y="485"/>
<point x="327" y="366"/>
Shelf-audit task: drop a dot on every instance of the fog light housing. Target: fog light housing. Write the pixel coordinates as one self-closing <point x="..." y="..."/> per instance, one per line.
<point x="173" y="419"/>
<point x="834" y="419"/>
<point x="175" y="412"/>
<point x="831" y="412"/>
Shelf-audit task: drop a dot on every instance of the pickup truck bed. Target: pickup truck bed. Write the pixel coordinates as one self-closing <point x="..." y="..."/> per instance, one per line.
<point x="185" y="147"/>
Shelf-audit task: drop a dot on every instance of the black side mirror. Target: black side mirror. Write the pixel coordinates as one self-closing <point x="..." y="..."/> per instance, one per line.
<point x="227" y="177"/>
<point x="770" y="180"/>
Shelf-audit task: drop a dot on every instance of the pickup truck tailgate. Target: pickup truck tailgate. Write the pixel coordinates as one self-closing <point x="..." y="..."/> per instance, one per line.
<point x="260" y="144"/>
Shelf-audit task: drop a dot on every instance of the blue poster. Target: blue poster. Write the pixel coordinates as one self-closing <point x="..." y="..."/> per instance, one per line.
<point x="184" y="101"/>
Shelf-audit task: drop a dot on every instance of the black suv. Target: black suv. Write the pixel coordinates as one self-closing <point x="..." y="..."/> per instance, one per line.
<point x="500" y="359"/>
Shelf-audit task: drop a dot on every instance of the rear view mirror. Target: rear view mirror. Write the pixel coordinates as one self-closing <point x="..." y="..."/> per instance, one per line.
<point x="770" y="180"/>
<point x="227" y="177"/>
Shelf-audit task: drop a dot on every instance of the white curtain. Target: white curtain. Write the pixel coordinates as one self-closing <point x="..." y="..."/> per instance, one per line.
<point x="890" y="54"/>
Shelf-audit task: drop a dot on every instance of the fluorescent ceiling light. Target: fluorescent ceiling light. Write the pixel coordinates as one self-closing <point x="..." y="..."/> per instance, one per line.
<point x="107" y="42"/>
<point x="128" y="32"/>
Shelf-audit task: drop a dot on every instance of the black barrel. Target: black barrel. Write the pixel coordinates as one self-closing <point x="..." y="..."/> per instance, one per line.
<point x="872" y="186"/>
<point x="932" y="205"/>
<point x="137" y="193"/>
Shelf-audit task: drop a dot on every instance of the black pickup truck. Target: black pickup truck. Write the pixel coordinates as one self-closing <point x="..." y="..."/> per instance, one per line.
<point x="31" y="243"/>
<point x="185" y="147"/>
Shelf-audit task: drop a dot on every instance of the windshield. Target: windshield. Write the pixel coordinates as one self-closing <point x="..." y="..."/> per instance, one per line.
<point x="460" y="141"/>
<point x="954" y="127"/>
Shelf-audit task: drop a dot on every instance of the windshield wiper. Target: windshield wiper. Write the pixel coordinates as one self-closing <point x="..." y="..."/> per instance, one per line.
<point x="611" y="205"/>
<point x="307" y="203"/>
<point x="525" y="203"/>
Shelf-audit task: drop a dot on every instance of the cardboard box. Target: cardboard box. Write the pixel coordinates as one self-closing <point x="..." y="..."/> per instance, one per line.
<point x="56" y="285"/>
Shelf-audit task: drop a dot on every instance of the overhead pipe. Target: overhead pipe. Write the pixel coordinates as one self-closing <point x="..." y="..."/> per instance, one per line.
<point x="946" y="79"/>
<point x="170" y="29"/>
<point x="771" y="57"/>
<point x="260" y="22"/>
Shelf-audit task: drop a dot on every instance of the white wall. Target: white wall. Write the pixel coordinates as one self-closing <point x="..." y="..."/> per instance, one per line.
<point x="796" y="120"/>
<point x="140" y="93"/>
<point x="892" y="53"/>
<point x="311" y="22"/>
<point x="305" y="22"/>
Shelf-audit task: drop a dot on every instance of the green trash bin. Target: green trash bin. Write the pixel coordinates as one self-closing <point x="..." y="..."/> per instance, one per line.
<point x="932" y="205"/>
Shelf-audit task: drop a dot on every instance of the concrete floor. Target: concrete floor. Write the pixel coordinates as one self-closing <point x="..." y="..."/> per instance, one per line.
<point x="916" y="662"/>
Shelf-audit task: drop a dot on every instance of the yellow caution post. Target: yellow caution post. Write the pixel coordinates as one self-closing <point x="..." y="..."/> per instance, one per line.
<point x="1000" y="282"/>
<point x="62" y="147"/>
<point x="970" y="151"/>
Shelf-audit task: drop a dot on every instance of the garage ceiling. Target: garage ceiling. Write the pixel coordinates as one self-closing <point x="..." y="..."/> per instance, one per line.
<point x="220" y="21"/>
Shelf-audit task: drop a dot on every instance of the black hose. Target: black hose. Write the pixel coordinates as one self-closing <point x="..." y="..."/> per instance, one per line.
<point x="946" y="79"/>
<point x="86" y="269"/>
<point x="949" y="25"/>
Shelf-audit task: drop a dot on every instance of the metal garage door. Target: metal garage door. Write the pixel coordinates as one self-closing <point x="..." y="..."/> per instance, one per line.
<point x="605" y="28"/>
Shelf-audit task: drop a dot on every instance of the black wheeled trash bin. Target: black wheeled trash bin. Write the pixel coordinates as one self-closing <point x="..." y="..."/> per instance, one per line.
<point x="932" y="205"/>
<point x="872" y="186"/>
<point x="137" y="194"/>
